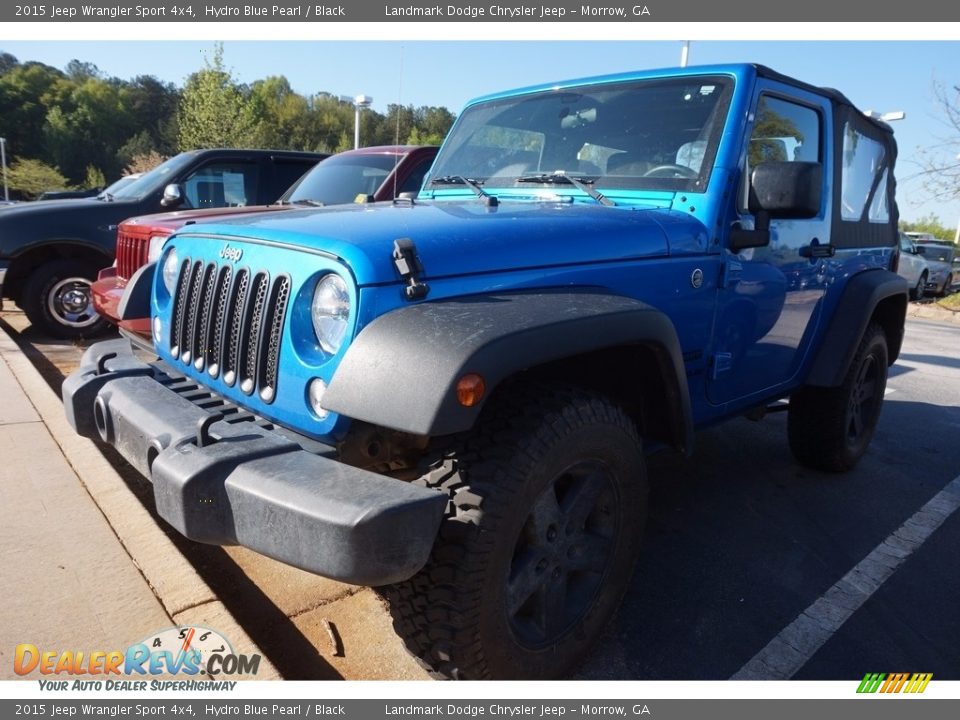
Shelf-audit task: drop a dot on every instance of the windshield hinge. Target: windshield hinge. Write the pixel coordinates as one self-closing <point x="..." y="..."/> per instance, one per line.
<point x="408" y="264"/>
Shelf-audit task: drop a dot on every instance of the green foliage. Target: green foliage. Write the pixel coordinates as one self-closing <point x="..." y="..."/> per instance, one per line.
<point x="32" y="177"/>
<point x="767" y="142"/>
<point x="94" y="178"/>
<point x="78" y="117"/>
<point x="930" y="224"/>
<point x="213" y="109"/>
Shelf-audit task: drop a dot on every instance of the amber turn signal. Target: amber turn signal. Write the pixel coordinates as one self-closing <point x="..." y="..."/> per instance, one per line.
<point x="470" y="389"/>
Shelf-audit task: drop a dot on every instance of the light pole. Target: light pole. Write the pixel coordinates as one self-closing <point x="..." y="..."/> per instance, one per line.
<point x="359" y="102"/>
<point x="3" y="161"/>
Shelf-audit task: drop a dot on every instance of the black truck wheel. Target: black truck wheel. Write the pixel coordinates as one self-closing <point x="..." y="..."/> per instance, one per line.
<point x="830" y="428"/>
<point x="58" y="302"/>
<point x="547" y="507"/>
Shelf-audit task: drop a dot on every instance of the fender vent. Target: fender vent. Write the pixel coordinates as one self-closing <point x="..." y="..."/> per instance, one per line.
<point x="229" y="324"/>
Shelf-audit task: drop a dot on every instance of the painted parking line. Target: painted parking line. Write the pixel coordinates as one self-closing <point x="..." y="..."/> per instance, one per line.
<point x="797" y="642"/>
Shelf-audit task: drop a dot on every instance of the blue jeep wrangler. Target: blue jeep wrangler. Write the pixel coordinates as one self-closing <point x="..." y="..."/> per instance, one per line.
<point x="450" y="396"/>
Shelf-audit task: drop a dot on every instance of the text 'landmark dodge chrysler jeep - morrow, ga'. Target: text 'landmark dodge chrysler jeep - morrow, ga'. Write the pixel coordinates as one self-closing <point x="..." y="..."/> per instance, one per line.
<point x="450" y="397"/>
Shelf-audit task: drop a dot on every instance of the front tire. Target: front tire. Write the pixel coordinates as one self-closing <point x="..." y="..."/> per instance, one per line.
<point x="547" y="506"/>
<point x="921" y="284"/>
<point x="58" y="302"/>
<point x="831" y="428"/>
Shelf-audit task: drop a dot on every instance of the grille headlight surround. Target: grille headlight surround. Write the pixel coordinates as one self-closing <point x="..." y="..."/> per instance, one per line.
<point x="330" y="312"/>
<point x="170" y="271"/>
<point x="155" y="247"/>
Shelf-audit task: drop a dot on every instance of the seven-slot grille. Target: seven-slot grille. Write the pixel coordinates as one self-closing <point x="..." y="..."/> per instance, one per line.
<point x="228" y="321"/>
<point x="132" y="251"/>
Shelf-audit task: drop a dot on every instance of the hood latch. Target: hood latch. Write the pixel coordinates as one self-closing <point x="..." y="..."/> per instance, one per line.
<point x="408" y="264"/>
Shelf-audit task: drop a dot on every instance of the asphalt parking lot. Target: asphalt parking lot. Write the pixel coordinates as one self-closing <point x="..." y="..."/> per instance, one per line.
<point x="740" y="543"/>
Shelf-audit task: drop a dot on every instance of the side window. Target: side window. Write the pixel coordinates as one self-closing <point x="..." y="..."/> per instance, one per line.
<point x="784" y="132"/>
<point x="864" y="177"/>
<point x="222" y="184"/>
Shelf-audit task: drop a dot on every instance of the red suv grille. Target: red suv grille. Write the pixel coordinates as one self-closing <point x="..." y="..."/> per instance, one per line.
<point x="132" y="253"/>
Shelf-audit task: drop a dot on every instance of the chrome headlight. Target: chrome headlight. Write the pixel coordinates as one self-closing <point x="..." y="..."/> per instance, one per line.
<point x="330" y="311"/>
<point x="156" y="245"/>
<point x="170" y="270"/>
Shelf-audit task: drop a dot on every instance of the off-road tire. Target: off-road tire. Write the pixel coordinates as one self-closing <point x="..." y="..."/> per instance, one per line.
<point x="43" y="297"/>
<point x="830" y="428"/>
<point x="463" y="616"/>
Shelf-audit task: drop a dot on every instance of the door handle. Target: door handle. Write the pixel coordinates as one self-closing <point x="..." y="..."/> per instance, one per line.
<point x="816" y="250"/>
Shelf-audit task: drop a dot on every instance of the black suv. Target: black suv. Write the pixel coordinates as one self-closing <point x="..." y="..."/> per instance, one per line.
<point x="51" y="251"/>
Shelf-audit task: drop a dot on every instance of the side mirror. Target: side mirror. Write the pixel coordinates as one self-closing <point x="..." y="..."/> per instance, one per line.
<point x="779" y="190"/>
<point x="786" y="189"/>
<point x="172" y="195"/>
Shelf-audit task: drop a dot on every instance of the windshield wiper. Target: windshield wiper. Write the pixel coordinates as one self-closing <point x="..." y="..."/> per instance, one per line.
<point x="559" y="177"/>
<point x="490" y="200"/>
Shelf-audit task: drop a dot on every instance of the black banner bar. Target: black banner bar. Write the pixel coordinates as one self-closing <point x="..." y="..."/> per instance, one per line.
<point x="636" y="11"/>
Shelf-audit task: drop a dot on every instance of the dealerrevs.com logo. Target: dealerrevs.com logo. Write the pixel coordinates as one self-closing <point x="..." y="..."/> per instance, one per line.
<point x="894" y="682"/>
<point x="175" y="651"/>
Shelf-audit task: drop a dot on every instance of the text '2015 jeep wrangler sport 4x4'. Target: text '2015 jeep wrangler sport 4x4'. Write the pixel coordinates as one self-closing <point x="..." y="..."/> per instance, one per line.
<point x="449" y="397"/>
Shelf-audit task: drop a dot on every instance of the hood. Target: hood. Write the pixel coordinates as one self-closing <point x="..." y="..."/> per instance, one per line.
<point x="175" y="220"/>
<point x="81" y="219"/>
<point x="465" y="238"/>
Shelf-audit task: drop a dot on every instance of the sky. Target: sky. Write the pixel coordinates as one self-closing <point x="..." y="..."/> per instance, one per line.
<point x="878" y="75"/>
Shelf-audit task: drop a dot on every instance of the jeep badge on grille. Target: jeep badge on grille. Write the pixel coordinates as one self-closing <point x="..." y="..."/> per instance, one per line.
<point x="231" y="254"/>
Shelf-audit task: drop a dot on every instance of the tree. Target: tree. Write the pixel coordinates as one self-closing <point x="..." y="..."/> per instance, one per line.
<point x="88" y="129"/>
<point x="940" y="161"/>
<point x="7" y="62"/>
<point x="153" y="106"/>
<point x="143" y="163"/>
<point x="82" y="71"/>
<point x="32" y="177"/>
<point x="213" y="109"/>
<point x="283" y="117"/>
<point x="94" y="178"/>
<point x="930" y="224"/>
<point x="27" y="92"/>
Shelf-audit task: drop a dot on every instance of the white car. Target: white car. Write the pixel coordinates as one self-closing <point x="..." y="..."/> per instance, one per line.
<point x="913" y="267"/>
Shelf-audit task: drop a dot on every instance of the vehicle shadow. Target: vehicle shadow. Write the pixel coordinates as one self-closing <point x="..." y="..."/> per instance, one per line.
<point x="294" y="656"/>
<point x="741" y="539"/>
<point x="943" y="360"/>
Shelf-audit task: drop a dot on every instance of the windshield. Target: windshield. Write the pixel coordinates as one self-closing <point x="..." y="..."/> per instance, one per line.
<point x="155" y="179"/>
<point x="937" y="253"/>
<point x="653" y="134"/>
<point x="121" y="183"/>
<point x="341" y="178"/>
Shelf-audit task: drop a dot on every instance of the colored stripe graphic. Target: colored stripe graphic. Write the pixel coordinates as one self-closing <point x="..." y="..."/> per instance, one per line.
<point x="894" y="682"/>
<point x="870" y="682"/>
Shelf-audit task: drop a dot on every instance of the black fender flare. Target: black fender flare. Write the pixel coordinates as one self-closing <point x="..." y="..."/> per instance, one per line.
<point x="401" y="370"/>
<point x="862" y="296"/>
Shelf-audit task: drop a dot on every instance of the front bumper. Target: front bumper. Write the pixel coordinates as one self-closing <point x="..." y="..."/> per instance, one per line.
<point x="228" y="483"/>
<point x="107" y="293"/>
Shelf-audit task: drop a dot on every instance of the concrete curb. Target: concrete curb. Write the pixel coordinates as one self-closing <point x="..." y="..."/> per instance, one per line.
<point x="181" y="591"/>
